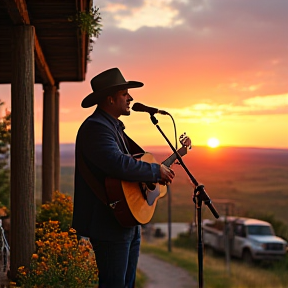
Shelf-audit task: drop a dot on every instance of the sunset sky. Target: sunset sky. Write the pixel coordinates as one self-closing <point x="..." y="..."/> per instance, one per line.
<point x="219" y="67"/>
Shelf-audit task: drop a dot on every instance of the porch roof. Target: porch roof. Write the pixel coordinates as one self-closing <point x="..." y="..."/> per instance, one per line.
<point x="61" y="49"/>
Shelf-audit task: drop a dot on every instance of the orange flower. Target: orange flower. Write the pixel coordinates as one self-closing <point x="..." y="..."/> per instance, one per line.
<point x="72" y="230"/>
<point x="58" y="254"/>
<point x="34" y="256"/>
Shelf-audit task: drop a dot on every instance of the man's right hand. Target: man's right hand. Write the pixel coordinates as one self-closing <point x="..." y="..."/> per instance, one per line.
<point x="167" y="175"/>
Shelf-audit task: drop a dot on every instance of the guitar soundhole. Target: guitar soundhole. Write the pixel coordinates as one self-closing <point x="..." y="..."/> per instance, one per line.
<point x="146" y="187"/>
<point x="143" y="189"/>
<point x="151" y="186"/>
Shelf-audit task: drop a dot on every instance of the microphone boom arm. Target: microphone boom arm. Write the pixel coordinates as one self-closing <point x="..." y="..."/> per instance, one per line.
<point x="199" y="196"/>
<point x="199" y="188"/>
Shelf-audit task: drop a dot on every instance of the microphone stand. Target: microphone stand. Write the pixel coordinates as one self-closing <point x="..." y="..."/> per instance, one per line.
<point x="199" y="196"/>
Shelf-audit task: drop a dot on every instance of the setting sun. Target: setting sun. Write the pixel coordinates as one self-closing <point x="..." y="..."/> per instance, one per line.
<point x="213" y="142"/>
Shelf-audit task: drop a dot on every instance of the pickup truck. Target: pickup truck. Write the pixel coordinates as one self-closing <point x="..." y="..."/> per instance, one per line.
<point x="246" y="238"/>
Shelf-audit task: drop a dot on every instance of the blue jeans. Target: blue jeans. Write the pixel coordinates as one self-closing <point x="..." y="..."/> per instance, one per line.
<point x="117" y="261"/>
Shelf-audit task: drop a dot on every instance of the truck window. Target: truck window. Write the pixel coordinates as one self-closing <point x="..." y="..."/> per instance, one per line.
<point x="239" y="230"/>
<point x="259" y="230"/>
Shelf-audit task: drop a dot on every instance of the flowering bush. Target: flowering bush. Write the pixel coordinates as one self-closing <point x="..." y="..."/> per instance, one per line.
<point x="59" y="209"/>
<point x="3" y="210"/>
<point x="60" y="260"/>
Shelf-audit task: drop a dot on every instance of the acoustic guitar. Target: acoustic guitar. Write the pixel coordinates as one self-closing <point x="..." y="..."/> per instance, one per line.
<point x="134" y="203"/>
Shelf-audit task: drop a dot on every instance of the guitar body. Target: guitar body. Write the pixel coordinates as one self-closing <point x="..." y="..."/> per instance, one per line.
<point x="138" y="205"/>
<point x="134" y="203"/>
<point x="128" y="197"/>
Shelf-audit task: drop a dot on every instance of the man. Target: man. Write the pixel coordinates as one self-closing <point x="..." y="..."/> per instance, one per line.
<point x="104" y="150"/>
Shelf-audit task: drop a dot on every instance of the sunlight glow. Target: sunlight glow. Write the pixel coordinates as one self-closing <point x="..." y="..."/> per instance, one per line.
<point x="213" y="142"/>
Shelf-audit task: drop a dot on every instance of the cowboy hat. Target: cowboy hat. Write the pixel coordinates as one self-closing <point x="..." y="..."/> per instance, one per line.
<point x="106" y="82"/>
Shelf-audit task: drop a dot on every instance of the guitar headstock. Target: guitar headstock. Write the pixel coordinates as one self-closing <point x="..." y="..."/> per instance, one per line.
<point x="185" y="141"/>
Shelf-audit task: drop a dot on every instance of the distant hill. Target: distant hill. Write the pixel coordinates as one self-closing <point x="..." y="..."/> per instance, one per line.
<point x="66" y="154"/>
<point x="199" y="154"/>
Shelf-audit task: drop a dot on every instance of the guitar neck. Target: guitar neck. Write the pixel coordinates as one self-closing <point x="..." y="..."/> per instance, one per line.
<point x="170" y="160"/>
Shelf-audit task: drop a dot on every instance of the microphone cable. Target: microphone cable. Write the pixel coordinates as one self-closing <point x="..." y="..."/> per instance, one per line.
<point x="175" y="130"/>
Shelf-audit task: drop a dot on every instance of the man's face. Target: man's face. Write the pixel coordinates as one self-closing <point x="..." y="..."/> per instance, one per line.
<point x="121" y="103"/>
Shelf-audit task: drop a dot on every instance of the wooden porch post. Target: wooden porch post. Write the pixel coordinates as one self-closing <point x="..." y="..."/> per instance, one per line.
<point x="57" y="145"/>
<point x="48" y="143"/>
<point x="22" y="148"/>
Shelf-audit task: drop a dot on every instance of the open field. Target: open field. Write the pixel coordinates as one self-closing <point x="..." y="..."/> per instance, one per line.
<point x="254" y="180"/>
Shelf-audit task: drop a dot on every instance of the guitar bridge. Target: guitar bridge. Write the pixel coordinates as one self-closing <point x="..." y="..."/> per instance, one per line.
<point x="113" y="204"/>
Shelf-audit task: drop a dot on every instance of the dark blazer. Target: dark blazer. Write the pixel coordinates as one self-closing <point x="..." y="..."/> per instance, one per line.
<point x="106" y="151"/>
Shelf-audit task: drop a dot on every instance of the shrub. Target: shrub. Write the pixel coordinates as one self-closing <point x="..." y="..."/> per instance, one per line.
<point x="60" y="260"/>
<point x="59" y="209"/>
<point x="186" y="240"/>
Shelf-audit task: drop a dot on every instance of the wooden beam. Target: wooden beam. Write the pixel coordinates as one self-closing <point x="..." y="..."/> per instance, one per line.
<point x="22" y="148"/>
<point x="83" y="41"/>
<point x="48" y="144"/>
<point x="42" y="64"/>
<point x="82" y="54"/>
<point x="56" y="144"/>
<point x="17" y="9"/>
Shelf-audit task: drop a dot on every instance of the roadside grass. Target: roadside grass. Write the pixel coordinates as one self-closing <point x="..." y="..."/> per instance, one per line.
<point x="141" y="279"/>
<point x="215" y="273"/>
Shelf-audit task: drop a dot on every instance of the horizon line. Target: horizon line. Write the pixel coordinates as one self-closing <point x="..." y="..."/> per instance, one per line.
<point x="199" y="146"/>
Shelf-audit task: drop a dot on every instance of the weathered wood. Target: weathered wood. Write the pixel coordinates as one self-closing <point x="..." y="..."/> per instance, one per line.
<point x="17" y="10"/>
<point x="42" y="64"/>
<point x="82" y="45"/>
<point x="56" y="145"/>
<point x="22" y="148"/>
<point x="48" y="143"/>
<point x="18" y="13"/>
<point x="57" y="38"/>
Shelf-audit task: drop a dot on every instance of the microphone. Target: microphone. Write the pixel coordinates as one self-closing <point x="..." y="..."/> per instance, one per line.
<point x="138" y="107"/>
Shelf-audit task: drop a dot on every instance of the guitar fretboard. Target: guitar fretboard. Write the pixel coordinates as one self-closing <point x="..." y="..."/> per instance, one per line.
<point x="170" y="160"/>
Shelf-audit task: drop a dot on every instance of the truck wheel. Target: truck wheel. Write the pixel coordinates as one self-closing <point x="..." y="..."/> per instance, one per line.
<point x="247" y="256"/>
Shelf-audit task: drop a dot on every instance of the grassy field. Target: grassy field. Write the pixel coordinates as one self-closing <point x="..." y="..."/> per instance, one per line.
<point x="253" y="180"/>
<point x="215" y="272"/>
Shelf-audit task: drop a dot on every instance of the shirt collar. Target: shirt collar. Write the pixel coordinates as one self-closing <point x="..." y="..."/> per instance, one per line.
<point x="116" y="122"/>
